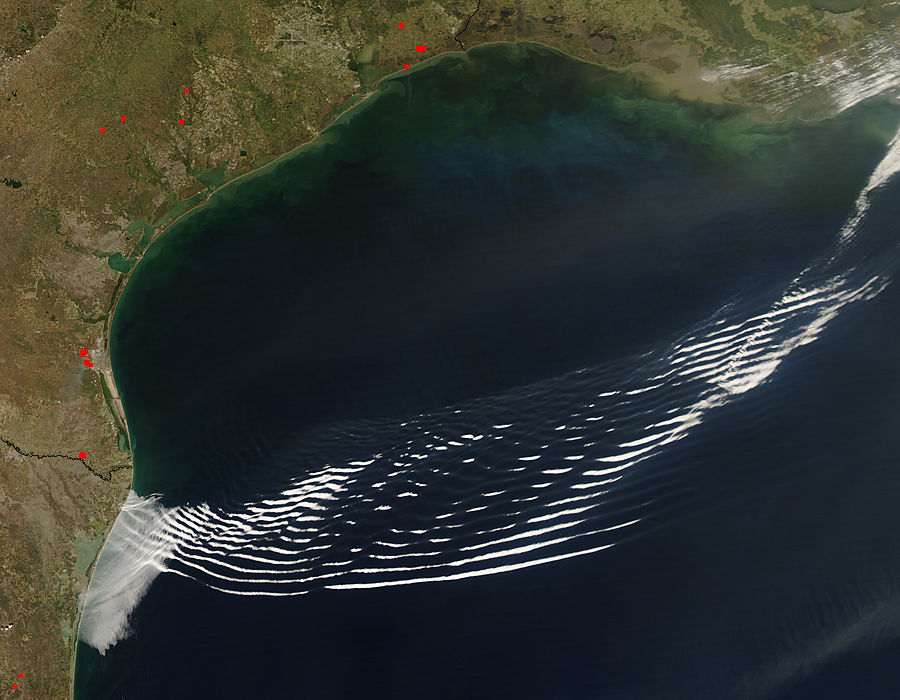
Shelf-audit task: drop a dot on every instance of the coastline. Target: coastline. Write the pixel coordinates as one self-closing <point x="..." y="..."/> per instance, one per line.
<point x="705" y="93"/>
<point x="114" y="400"/>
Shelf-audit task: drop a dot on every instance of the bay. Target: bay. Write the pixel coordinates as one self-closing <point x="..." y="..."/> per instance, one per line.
<point x="447" y="343"/>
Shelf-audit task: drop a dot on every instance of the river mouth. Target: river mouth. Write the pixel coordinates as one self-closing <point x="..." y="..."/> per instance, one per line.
<point x="496" y="386"/>
<point x="400" y="266"/>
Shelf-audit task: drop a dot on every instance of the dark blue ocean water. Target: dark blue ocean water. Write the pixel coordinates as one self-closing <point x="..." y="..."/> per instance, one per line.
<point x="518" y="384"/>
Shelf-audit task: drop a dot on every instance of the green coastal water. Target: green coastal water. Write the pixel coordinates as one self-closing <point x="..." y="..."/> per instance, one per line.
<point x="379" y="316"/>
<point x="120" y="263"/>
<point x="462" y="160"/>
<point x="518" y="125"/>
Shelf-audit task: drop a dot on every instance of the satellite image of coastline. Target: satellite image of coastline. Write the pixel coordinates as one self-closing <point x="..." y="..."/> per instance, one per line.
<point x="500" y="350"/>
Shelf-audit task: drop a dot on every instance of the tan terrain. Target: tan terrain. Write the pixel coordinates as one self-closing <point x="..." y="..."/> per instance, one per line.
<point x="251" y="79"/>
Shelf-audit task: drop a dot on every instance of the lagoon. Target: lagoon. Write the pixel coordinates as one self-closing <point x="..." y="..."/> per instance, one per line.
<point x="485" y="393"/>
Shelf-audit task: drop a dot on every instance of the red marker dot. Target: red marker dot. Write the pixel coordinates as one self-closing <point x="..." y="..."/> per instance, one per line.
<point x="123" y="119"/>
<point x="181" y="121"/>
<point x="15" y="687"/>
<point x="83" y="352"/>
<point x="87" y="363"/>
<point x="21" y="675"/>
<point x="81" y="455"/>
<point x="186" y="91"/>
<point x="102" y="131"/>
<point x="406" y="65"/>
<point x="401" y="25"/>
<point x="420" y="49"/>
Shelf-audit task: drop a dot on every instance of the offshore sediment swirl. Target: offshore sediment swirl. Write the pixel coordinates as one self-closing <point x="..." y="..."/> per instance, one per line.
<point x="493" y="485"/>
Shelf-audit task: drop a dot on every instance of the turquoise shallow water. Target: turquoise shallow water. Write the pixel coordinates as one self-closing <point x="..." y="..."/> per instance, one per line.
<point x="510" y="329"/>
<point x="347" y="273"/>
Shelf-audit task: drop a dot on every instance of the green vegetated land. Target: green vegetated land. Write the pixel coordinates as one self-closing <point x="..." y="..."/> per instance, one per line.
<point x="79" y="207"/>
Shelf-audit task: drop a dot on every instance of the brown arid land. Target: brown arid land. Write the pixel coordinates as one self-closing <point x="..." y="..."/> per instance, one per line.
<point x="251" y="80"/>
